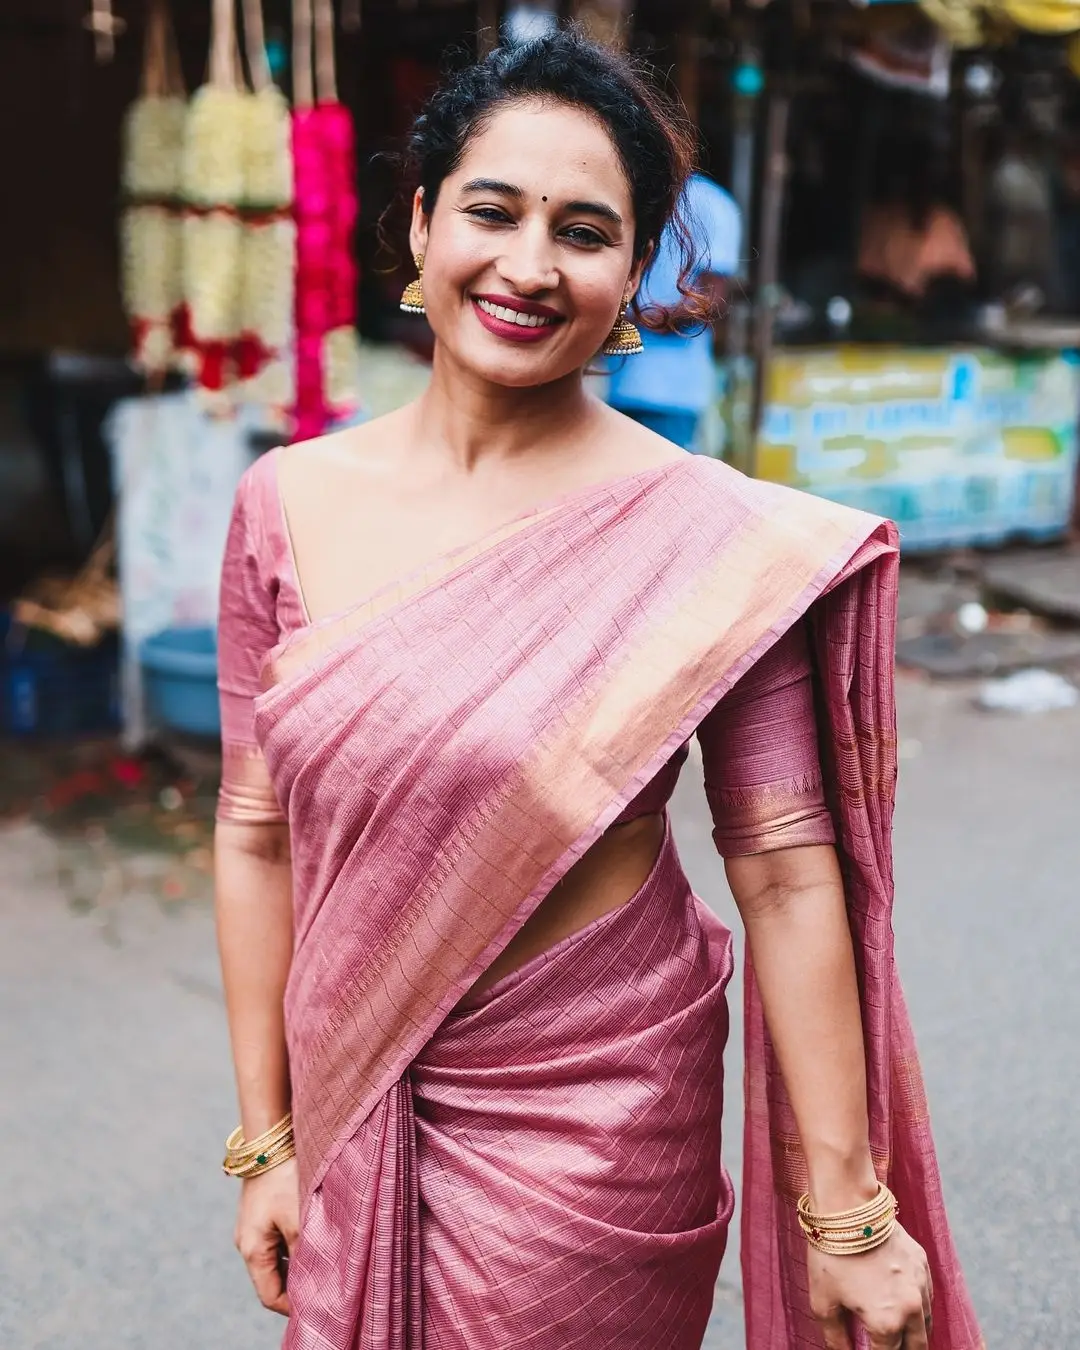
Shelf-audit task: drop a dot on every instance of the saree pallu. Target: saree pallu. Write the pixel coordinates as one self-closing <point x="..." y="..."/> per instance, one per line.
<point x="541" y="1165"/>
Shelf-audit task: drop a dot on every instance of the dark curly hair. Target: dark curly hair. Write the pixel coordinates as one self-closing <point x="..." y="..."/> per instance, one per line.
<point x="651" y="134"/>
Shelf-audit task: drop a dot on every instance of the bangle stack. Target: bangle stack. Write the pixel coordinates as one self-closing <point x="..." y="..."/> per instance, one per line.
<point x="853" y="1231"/>
<point x="250" y="1158"/>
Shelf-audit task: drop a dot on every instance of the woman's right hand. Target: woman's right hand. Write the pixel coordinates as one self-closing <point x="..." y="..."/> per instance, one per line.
<point x="267" y="1223"/>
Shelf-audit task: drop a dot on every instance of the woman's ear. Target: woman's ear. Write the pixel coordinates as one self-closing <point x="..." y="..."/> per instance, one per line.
<point x="418" y="229"/>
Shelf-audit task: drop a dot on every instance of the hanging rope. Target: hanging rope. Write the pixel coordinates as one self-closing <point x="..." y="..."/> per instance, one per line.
<point x="325" y="65"/>
<point x="303" y="86"/>
<point x="224" y="56"/>
<point x="255" y="46"/>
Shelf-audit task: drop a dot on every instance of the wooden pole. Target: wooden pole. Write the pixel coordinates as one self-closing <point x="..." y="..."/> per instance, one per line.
<point x="688" y="67"/>
<point x="772" y="212"/>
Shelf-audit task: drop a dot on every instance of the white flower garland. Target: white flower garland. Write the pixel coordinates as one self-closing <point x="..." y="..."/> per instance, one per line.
<point x="266" y="288"/>
<point x="215" y="137"/>
<point x="151" y="284"/>
<point x="268" y="175"/>
<point x="153" y="139"/>
<point x="341" y="368"/>
<point x="212" y="270"/>
<point x="150" y="248"/>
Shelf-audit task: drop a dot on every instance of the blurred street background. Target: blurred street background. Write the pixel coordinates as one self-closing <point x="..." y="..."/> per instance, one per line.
<point x="890" y="214"/>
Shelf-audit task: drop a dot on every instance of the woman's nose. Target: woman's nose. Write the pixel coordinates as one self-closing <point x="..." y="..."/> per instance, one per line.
<point x="528" y="264"/>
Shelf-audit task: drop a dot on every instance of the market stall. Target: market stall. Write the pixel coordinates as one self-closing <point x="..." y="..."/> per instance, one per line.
<point x="911" y="315"/>
<point x="222" y="200"/>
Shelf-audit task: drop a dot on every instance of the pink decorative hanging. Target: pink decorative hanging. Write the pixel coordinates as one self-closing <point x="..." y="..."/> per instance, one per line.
<point x="324" y="168"/>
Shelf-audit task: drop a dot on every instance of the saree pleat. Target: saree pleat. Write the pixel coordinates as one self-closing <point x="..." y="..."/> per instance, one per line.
<point x="361" y="1247"/>
<point x="443" y="765"/>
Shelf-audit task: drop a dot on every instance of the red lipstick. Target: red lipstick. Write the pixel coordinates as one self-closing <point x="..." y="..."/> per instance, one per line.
<point x="502" y="326"/>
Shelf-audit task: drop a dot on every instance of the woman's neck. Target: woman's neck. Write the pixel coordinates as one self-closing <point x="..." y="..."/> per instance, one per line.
<point x="472" y="422"/>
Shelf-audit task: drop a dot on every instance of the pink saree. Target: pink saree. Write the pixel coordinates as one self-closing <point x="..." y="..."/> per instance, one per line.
<point x="539" y="1165"/>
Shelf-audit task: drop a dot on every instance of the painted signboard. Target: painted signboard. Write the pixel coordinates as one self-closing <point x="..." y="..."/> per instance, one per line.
<point x="959" y="447"/>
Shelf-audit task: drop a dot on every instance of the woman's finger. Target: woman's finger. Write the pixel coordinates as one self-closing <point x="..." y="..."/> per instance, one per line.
<point x="265" y="1272"/>
<point x="892" y="1340"/>
<point x="917" y="1333"/>
<point x="290" y="1234"/>
<point x="928" y="1302"/>
<point x="834" y="1331"/>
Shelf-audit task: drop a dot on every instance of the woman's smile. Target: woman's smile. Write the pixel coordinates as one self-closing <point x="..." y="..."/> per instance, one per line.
<point x="516" y="320"/>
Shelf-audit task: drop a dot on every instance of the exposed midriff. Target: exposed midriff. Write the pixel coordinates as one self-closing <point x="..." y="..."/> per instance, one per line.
<point x="609" y="874"/>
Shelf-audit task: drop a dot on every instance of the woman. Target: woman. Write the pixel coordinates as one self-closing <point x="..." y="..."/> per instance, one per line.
<point x="463" y="648"/>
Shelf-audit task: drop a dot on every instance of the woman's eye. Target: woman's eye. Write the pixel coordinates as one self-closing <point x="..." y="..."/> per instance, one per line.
<point x="581" y="234"/>
<point x="490" y="214"/>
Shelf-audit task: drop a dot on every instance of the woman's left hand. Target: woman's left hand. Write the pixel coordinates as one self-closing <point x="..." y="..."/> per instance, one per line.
<point x="888" y="1289"/>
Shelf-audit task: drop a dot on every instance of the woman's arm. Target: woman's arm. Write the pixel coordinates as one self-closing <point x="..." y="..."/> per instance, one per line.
<point x="792" y="905"/>
<point x="253" y="877"/>
<point x="253" y="880"/>
<point x="764" y="784"/>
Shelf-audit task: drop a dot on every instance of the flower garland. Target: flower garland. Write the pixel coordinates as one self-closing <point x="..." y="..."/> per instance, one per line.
<point x="239" y="236"/>
<point x="213" y="184"/>
<point x="264" y="354"/>
<point x="324" y="162"/>
<point x="150" y="242"/>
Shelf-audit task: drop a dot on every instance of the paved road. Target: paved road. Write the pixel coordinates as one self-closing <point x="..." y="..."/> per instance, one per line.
<point x="115" y="1089"/>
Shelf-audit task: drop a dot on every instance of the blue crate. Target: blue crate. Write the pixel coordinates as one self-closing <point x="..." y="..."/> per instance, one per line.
<point x="50" y="688"/>
<point x="180" y="673"/>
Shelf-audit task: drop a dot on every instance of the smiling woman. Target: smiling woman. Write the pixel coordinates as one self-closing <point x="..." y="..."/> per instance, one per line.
<point x="463" y="649"/>
<point x="612" y="206"/>
<point x="543" y="251"/>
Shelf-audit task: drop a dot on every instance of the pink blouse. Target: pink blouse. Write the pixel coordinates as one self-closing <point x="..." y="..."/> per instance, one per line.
<point x="759" y="744"/>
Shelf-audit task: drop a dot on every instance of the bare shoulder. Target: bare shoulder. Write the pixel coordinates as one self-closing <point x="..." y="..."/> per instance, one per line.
<point x="639" y="448"/>
<point x="352" y="447"/>
<point x="364" y="456"/>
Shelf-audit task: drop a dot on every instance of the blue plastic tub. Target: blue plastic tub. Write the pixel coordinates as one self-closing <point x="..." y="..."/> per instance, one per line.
<point x="180" y="673"/>
<point x="49" y="688"/>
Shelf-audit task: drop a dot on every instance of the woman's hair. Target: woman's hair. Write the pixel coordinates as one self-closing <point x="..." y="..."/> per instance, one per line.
<point x="650" y="132"/>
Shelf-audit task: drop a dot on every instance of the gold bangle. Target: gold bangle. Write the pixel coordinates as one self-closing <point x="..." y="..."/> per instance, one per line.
<point x="238" y="1149"/>
<point x="249" y="1158"/>
<point x="852" y="1231"/>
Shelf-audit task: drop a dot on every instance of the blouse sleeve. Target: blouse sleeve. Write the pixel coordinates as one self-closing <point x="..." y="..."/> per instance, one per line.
<point x="247" y="630"/>
<point x="760" y="747"/>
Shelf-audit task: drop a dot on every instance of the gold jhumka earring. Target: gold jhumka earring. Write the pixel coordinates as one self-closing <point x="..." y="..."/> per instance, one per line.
<point x="624" y="338"/>
<point x="412" y="297"/>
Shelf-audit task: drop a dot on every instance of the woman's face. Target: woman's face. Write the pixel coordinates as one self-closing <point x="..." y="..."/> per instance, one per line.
<point x="528" y="253"/>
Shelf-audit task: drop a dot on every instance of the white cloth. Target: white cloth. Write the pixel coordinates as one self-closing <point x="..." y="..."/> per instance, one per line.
<point x="176" y="471"/>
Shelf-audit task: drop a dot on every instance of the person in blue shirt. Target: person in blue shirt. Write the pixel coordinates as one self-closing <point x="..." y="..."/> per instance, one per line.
<point x="670" y="384"/>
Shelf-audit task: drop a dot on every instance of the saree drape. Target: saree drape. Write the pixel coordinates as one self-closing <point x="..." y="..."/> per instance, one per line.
<point x="540" y="1167"/>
